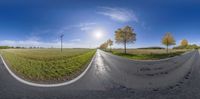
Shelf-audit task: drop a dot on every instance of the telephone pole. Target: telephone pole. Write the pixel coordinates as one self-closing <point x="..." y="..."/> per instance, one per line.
<point x="61" y="37"/>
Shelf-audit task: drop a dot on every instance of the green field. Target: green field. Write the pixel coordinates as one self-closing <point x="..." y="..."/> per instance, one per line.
<point x="48" y="64"/>
<point x="147" y="54"/>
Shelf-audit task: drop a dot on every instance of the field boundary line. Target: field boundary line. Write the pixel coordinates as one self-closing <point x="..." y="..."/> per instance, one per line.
<point x="47" y="85"/>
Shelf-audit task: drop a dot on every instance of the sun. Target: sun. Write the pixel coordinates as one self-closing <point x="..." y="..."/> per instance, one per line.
<point x="98" y="34"/>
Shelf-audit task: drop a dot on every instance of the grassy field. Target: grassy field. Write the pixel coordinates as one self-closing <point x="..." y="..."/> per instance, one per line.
<point x="147" y="54"/>
<point x="48" y="64"/>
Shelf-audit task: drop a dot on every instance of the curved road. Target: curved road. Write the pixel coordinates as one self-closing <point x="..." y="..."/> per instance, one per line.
<point x="113" y="77"/>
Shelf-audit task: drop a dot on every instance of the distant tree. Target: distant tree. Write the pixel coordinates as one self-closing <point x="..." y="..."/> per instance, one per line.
<point x="151" y="48"/>
<point x="193" y="46"/>
<point x="104" y="46"/>
<point x="110" y="43"/>
<point x="179" y="47"/>
<point x="5" y="47"/>
<point x="184" y="43"/>
<point x="168" y="40"/>
<point x="125" y="35"/>
<point x="17" y="47"/>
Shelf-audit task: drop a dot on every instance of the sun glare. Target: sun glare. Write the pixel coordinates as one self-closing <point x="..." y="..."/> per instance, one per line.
<point x="98" y="34"/>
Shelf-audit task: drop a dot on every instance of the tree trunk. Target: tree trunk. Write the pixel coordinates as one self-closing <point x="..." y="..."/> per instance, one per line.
<point x="167" y="49"/>
<point x="125" y="42"/>
<point x="125" y="47"/>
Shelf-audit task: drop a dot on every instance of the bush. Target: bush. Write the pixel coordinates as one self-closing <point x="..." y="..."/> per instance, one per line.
<point x="4" y="47"/>
<point x="194" y="46"/>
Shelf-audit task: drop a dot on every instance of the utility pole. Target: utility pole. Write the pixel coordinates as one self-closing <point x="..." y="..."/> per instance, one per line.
<point x="61" y="37"/>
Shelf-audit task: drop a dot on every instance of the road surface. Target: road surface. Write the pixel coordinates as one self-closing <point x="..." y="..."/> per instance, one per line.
<point x="113" y="77"/>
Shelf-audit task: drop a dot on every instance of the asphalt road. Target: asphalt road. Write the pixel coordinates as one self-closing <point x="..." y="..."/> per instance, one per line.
<point x="113" y="77"/>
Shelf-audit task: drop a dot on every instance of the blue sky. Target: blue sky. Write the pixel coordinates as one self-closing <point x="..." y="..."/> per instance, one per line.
<point x="39" y="23"/>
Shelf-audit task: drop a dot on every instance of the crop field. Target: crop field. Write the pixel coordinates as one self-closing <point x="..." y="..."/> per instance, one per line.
<point x="48" y="64"/>
<point x="148" y="54"/>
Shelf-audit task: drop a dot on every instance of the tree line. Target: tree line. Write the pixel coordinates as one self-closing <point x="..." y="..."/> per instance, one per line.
<point x="18" y="47"/>
<point x="122" y="36"/>
<point x="126" y="35"/>
<point x="106" y="44"/>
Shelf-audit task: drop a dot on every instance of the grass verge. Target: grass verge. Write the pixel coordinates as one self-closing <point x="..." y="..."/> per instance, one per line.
<point x="48" y="65"/>
<point x="143" y="55"/>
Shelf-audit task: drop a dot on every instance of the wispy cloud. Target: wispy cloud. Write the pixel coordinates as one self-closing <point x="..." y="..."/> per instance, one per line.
<point x="33" y="38"/>
<point x="86" y="26"/>
<point x="119" y="14"/>
<point x="82" y="26"/>
<point x="75" y="40"/>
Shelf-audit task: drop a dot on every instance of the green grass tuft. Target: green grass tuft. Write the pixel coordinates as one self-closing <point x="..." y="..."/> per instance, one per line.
<point x="47" y="64"/>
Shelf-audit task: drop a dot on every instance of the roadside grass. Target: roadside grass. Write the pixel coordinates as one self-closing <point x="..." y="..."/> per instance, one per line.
<point x="147" y="54"/>
<point x="48" y="64"/>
